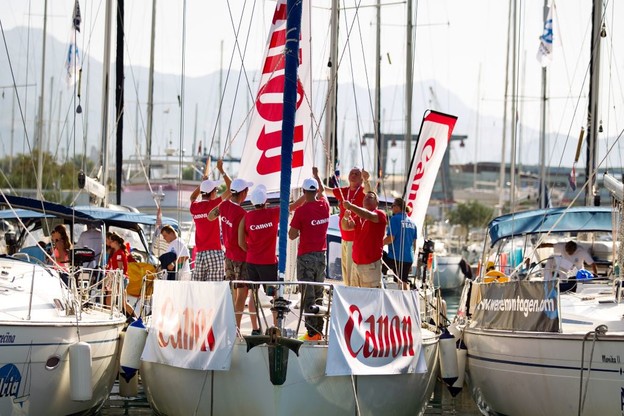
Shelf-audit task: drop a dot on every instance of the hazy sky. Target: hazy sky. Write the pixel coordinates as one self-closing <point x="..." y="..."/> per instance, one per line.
<point x="460" y="44"/>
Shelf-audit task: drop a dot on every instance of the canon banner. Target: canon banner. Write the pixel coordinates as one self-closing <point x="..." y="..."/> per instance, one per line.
<point x="192" y="326"/>
<point x="518" y="306"/>
<point x="435" y="133"/>
<point x="261" y="158"/>
<point x="374" y="331"/>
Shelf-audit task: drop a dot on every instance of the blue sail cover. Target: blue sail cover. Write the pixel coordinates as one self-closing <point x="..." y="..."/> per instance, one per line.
<point x="555" y="220"/>
<point x="29" y="208"/>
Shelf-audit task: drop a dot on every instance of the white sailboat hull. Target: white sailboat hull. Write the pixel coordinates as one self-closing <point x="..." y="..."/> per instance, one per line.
<point x="448" y="275"/>
<point x="247" y="389"/>
<point x="36" y="332"/>
<point x="539" y="373"/>
<point x="516" y="374"/>
<point x="37" y="390"/>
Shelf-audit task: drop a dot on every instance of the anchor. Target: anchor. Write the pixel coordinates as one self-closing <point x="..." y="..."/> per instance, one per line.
<point x="278" y="345"/>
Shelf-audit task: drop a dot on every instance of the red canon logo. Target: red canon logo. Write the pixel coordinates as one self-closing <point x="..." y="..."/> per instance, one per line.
<point x="383" y="336"/>
<point x="191" y="329"/>
<point x="270" y="105"/>
<point x="427" y="154"/>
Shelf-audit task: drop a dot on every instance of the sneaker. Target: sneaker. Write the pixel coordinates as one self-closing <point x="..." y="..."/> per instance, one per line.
<point x="256" y="332"/>
<point x="309" y="338"/>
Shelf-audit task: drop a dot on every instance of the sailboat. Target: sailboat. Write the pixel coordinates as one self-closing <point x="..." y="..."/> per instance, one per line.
<point x="380" y="355"/>
<point x="544" y="337"/>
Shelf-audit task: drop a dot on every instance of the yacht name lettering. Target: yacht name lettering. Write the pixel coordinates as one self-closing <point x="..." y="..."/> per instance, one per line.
<point x="320" y="222"/>
<point x="7" y="338"/>
<point x="384" y="336"/>
<point x="261" y="226"/>
<point x="10" y="380"/>
<point x="525" y="306"/>
<point x="427" y="154"/>
<point x="186" y="328"/>
<point x="269" y="103"/>
<point x="612" y="359"/>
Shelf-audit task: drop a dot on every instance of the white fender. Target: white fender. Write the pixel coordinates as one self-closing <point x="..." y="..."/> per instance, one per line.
<point x="462" y="354"/>
<point x="80" y="372"/>
<point x="134" y="342"/>
<point x="448" y="358"/>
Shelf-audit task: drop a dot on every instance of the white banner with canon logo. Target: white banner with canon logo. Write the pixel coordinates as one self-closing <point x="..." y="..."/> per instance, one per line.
<point x="193" y="325"/>
<point x="374" y="332"/>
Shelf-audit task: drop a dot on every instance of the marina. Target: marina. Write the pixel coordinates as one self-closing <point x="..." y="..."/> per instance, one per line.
<point x="380" y="208"/>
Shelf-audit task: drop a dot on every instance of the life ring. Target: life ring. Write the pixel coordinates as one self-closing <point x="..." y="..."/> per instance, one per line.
<point x="495" y="276"/>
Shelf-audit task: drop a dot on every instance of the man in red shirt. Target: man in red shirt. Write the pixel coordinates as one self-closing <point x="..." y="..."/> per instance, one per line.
<point x="354" y="193"/>
<point x="369" y="226"/>
<point x="310" y="223"/>
<point x="231" y="213"/>
<point x="257" y="235"/>
<point x="209" y="258"/>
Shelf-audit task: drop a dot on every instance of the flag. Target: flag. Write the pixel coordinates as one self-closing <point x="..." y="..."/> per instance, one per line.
<point x="433" y="139"/>
<point x="72" y="63"/>
<point x="76" y="18"/>
<point x="544" y="52"/>
<point x="572" y="178"/>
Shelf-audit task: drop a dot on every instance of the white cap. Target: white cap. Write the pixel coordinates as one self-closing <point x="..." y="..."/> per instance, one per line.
<point x="310" y="184"/>
<point x="239" y="185"/>
<point x="208" y="186"/>
<point x="258" y="195"/>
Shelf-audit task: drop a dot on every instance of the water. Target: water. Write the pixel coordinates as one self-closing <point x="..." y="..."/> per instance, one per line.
<point x="441" y="403"/>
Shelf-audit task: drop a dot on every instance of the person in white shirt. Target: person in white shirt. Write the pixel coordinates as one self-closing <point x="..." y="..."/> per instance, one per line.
<point x="567" y="257"/>
<point x="181" y="265"/>
<point x="92" y="238"/>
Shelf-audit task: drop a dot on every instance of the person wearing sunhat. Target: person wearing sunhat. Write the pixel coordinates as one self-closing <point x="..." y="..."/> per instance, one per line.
<point x="310" y="223"/>
<point x="209" y="257"/>
<point x="230" y="213"/>
<point x="257" y="235"/>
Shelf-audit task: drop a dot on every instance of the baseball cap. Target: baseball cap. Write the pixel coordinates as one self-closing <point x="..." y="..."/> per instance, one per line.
<point x="239" y="185"/>
<point x="208" y="186"/>
<point x="258" y="195"/>
<point x="310" y="184"/>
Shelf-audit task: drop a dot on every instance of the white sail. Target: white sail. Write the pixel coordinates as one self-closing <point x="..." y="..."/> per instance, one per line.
<point x="260" y="162"/>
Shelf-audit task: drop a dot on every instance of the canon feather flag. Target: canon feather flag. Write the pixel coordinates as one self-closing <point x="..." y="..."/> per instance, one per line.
<point x="544" y="52"/>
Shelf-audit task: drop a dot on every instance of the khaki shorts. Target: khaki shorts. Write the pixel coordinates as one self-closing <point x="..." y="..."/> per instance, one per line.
<point x="366" y="275"/>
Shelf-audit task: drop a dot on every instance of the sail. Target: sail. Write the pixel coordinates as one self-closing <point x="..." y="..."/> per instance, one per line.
<point x="433" y="139"/>
<point x="260" y="161"/>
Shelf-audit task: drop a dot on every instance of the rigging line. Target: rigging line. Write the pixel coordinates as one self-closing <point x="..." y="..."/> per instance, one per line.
<point x="242" y="72"/>
<point x="181" y="105"/>
<point x="19" y="102"/>
<point x="236" y="31"/>
<point x="368" y="87"/>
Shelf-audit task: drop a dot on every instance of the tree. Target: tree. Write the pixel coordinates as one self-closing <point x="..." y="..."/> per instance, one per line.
<point x="471" y="214"/>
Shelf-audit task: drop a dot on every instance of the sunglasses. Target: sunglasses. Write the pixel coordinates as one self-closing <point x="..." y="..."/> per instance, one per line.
<point x="56" y="240"/>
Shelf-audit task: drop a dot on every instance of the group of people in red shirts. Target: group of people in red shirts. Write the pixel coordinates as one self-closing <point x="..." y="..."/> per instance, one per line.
<point x="249" y="238"/>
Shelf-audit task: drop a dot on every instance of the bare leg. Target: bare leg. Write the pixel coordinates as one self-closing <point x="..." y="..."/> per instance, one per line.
<point x="239" y="306"/>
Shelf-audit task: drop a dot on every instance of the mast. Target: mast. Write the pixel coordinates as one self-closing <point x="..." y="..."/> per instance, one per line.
<point x="409" y="83"/>
<point x="119" y="98"/>
<point x="377" y="116"/>
<point x="514" y="110"/>
<point x="592" y="111"/>
<point x="150" y="95"/>
<point x="542" y="148"/>
<point x="105" y="85"/>
<point x="293" y="30"/>
<point x="331" y="141"/>
<point x="40" y="115"/>
<point x="501" y="184"/>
